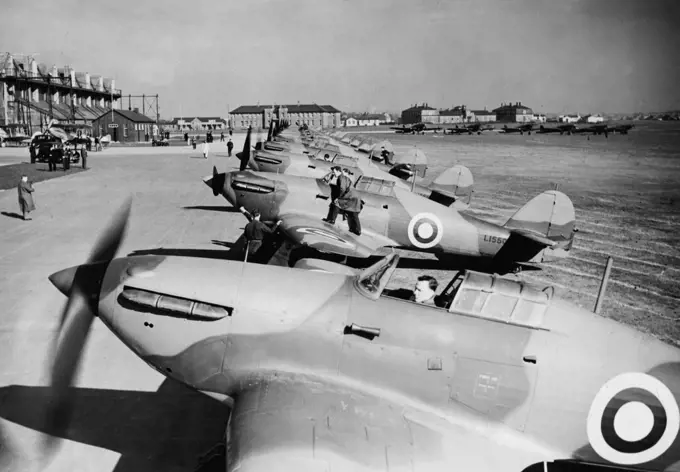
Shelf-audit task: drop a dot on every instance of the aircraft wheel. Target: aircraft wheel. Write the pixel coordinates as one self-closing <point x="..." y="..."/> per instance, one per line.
<point x="479" y="132"/>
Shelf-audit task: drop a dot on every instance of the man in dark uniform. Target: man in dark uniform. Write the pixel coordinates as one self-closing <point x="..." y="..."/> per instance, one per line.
<point x="55" y="156"/>
<point x="230" y="146"/>
<point x="222" y="137"/>
<point x="254" y="233"/>
<point x="343" y="198"/>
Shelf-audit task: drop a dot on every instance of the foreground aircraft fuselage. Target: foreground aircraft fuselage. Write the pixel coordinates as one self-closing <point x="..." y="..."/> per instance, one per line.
<point x="391" y="217"/>
<point x="321" y="372"/>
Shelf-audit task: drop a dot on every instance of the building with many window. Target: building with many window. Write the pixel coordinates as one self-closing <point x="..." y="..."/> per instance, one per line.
<point x="483" y="116"/>
<point x="513" y="113"/>
<point x="124" y="126"/>
<point x="259" y="116"/>
<point x="32" y="94"/>
<point x="420" y="114"/>
<point x="187" y="123"/>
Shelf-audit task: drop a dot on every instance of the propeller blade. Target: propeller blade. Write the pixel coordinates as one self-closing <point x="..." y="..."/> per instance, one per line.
<point x="106" y="247"/>
<point x="217" y="181"/>
<point x="69" y="347"/>
<point x="271" y="130"/>
<point x="245" y="155"/>
<point x="82" y="284"/>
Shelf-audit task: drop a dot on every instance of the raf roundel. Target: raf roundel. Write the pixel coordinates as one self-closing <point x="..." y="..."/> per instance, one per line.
<point x="633" y="419"/>
<point x="425" y="230"/>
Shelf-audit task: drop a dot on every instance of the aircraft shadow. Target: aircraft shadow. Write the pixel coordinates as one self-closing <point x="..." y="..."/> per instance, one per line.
<point x="164" y="430"/>
<point x="226" y="209"/>
<point x="11" y="214"/>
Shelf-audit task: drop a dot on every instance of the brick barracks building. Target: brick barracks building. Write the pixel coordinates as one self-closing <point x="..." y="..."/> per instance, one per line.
<point x="259" y="116"/>
<point x="32" y="94"/>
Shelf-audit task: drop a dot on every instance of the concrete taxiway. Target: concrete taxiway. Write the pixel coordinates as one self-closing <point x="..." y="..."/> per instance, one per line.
<point x="127" y="417"/>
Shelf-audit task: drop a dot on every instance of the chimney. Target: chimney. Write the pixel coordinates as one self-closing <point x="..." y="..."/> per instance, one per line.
<point x="34" y="67"/>
<point x="136" y="110"/>
<point x="87" y="81"/>
<point x="53" y="72"/>
<point x="73" y="76"/>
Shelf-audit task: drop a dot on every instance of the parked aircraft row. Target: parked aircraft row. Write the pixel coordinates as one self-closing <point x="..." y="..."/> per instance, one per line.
<point x="322" y="367"/>
<point x="478" y="128"/>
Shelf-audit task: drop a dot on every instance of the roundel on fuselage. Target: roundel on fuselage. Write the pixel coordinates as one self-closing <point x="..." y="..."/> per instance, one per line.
<point x="633" y="419"/>
<point x="425" y="230"/>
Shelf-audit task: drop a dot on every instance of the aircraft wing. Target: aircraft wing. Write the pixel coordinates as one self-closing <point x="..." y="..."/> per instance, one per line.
<point x="296" y="422"/>
<point x="310" y="231"/>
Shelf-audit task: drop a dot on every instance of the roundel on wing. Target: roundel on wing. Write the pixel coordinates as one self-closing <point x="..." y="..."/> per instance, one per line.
<point x="425" y="230"/>
<point x="633" y="419"/>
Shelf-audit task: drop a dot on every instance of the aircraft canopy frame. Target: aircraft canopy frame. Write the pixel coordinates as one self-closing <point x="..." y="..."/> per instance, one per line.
<point x="500" y="299"/>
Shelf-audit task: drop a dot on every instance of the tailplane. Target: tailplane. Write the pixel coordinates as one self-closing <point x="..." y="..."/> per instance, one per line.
<point x="547" y="223"/>
<point x="453" y="187"/>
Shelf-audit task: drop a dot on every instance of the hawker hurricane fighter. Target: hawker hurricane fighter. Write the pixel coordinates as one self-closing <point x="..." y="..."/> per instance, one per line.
<point x="468" y="129"/>
<point x="414" y="129"/>
<point x="541" y="231"/>
<point x="567" y="128"/>
<point x="521" y="129"/>
<point x="453" y="187"/>
<point x="324" y="369"/>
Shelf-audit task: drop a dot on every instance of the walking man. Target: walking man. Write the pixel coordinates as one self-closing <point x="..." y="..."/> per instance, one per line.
<point x="222" y="137"/>
<point x="26" y="204"/>
<point x="206" y="149"/>
<point x="230" y="146"/>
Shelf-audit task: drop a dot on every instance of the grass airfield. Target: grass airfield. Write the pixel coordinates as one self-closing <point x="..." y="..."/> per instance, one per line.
<point x="129" y="418"/>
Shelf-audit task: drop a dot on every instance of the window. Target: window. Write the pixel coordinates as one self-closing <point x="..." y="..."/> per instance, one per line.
<point x="125" y="131"/>
<point x="499" y="306"/>
<point x="471" y="300"/>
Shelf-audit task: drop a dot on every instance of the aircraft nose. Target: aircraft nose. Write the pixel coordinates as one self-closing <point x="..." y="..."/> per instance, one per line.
<point x="208" y="181"/>
<point x="63" y="280"/>
<point x="88" y="278"/>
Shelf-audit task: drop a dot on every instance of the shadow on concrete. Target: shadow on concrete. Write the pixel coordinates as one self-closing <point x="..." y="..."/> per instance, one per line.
<point x="11" y="214"/>
<point x="164" y="430"/>
<point x="180" y="252"/>
<point x="225" y="209"/>
<point x="225" y="243"/>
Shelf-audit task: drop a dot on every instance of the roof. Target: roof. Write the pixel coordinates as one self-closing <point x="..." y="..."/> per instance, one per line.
<point x="297" y="108"/>
<point x="199" y="118"/>
<point x="243" y="109"/>
<point x="130" y="115"/>
<point x="511" y="107"/>
<point x="419" y="108"/>
<point x="482" y="112"/>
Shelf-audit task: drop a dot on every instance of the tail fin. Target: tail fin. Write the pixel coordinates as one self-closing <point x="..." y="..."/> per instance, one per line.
<point x="453" y="187"/>
<point x="548" y="220"/>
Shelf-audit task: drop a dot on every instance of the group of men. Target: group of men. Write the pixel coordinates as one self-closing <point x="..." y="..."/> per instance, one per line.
<point x="343" y="198"/>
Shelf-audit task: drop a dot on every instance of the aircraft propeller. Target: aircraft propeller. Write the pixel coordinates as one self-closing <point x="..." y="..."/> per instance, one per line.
<point x="82" y="285"/>
<point x="243" y="156"/>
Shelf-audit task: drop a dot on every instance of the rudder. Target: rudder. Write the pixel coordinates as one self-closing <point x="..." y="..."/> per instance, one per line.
<point x="455" y="185"/>
<point x="550" y="215"/>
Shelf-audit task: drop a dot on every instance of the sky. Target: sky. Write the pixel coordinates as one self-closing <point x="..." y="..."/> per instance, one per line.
<point x="205" y="57"/>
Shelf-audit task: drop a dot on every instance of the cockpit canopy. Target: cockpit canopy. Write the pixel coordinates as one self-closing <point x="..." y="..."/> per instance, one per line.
<point x="375" y="186"/>
<point x="497" y="298"/>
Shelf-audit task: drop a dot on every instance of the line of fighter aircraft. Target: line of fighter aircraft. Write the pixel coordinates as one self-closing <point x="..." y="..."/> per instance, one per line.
<point x="323" y="368"/>
<point x="477" y="128"/>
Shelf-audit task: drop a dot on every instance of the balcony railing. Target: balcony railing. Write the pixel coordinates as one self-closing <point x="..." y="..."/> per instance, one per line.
<point x="55" y="81"/>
